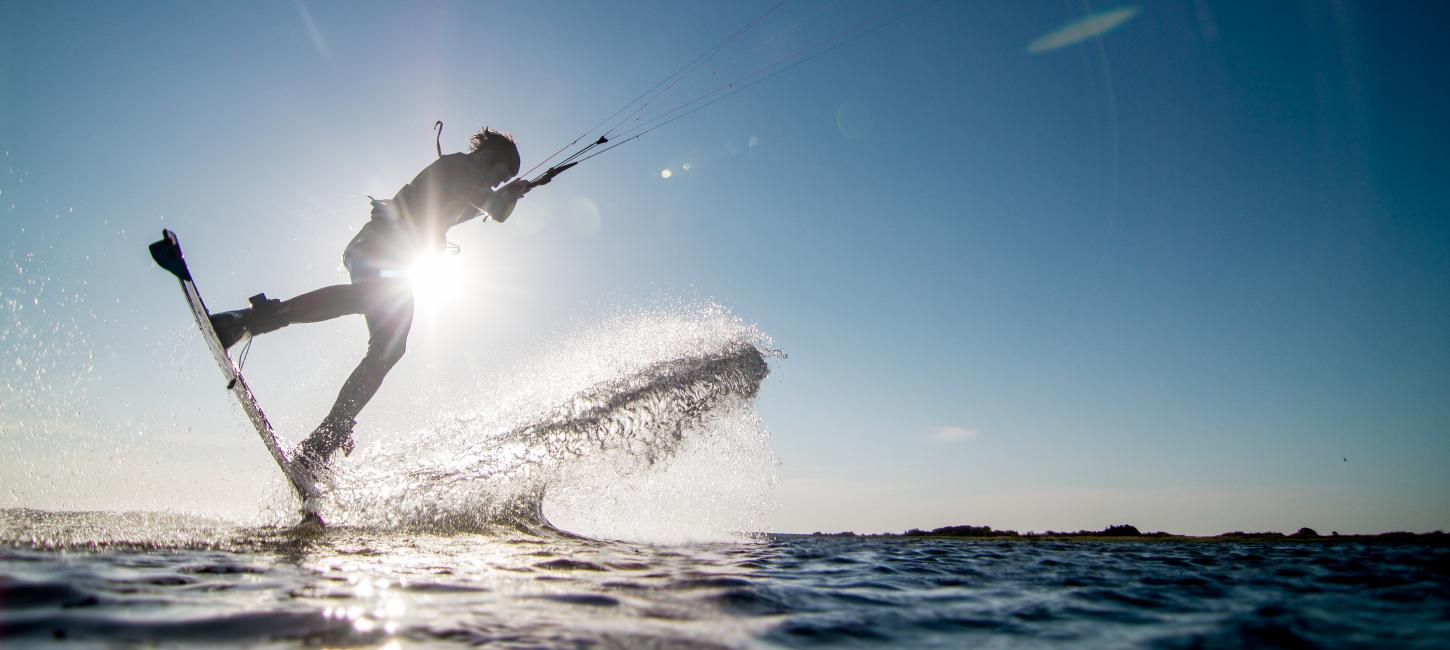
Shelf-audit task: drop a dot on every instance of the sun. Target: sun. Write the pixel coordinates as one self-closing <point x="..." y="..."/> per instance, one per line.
<point x="437" y="278"/>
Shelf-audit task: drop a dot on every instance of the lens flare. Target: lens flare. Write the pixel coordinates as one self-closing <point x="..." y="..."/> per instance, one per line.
<point x="1090" y="26"/>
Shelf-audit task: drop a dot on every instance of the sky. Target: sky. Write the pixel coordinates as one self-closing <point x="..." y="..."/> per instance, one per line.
<point x="1037" y="265"/>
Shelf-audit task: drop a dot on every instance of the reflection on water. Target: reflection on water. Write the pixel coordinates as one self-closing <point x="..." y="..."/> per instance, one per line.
<point x="140" y="578"/>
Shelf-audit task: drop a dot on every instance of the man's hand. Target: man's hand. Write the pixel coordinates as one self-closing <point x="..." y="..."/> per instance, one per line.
<point x="513" y="191"/>
<point x="500" y="203"/>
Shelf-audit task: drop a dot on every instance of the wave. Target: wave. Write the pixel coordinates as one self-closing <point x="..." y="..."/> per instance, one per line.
<point x="645" y="414"/>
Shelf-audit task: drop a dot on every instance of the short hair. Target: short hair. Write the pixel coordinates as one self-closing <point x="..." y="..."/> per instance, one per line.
<point x="497" y="143"/>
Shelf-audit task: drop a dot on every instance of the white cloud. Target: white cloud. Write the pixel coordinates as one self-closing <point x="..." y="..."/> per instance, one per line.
<point x="952" y="434"/>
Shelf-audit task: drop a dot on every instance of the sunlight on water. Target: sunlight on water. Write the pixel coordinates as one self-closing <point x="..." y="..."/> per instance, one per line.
<point x="640" y="427"/>
<point x="156" y="580"/>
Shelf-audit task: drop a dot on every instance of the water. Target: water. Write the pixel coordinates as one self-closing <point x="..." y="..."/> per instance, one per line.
<point x="637" y="435"/>
<point x="93" y="577"/>
<point x="640" y="425"/>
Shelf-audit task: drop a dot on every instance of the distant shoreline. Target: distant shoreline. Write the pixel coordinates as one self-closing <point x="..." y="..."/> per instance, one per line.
<point x="1129" y="533"/>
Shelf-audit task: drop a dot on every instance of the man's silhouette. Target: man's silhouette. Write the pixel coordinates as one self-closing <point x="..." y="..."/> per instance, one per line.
<point x="453" y="189"/>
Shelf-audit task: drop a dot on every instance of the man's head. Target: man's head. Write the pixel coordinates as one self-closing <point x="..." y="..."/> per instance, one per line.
<point x="497" y="155"/>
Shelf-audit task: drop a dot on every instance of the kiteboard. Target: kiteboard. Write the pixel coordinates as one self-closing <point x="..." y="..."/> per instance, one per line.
<point x="167" y="253"/>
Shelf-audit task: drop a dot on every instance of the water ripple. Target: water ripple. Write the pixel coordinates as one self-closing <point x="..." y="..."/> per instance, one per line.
<point x="543" y="589"/>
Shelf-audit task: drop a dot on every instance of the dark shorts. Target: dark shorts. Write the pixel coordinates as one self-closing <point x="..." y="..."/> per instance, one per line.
<point x="376" y="269"/>
<point x="373" y="258"/>
<point x="385" y="247"/>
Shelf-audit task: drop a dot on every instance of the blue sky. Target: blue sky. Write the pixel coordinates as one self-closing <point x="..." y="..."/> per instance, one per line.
<point x="1172" y="274"/>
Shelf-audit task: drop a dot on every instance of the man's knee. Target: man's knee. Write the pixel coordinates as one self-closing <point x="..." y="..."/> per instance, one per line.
<point x="386" y="354"/>
<point x="388" y="323"/>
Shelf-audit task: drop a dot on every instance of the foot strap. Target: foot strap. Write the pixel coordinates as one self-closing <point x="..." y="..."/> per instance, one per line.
<point x="261" y="302"/>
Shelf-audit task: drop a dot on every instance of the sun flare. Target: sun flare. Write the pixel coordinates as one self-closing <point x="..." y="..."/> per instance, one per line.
<point x="437" y="278"/>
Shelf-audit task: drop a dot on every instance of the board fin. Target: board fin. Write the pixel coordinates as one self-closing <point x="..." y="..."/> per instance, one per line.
<point x="167" y="253"/>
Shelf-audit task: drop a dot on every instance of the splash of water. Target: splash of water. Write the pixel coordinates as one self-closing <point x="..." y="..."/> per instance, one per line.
<point x="640" y="427"/>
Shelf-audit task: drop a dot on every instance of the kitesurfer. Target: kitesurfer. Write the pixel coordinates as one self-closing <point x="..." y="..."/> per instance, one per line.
<point x="452" y="190"/>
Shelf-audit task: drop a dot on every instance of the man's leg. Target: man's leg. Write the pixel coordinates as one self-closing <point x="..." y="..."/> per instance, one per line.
<point x="328" y="303"/>
<point x="266" y="315"/>
<point x="387" y="341"/>
<point x="389" y="317"/>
